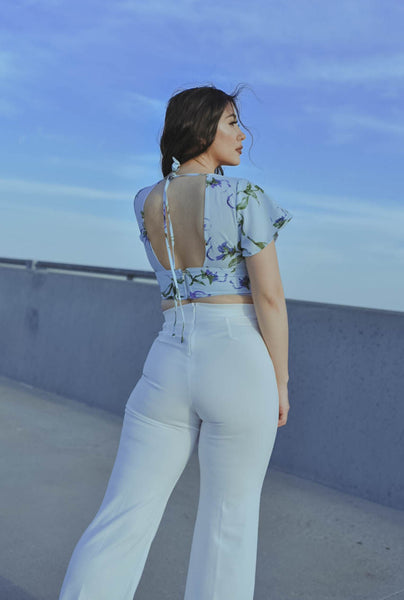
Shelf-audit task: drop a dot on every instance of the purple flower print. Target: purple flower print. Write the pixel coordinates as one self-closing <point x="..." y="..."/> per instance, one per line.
<point x="213" y="182"/>
<point x="198" y="294"/>
<point x="229" y="203"/>
<point x="245" y="282"/>
<point x="211" y="274"/>
<point x="209" y="247"/>
<point x="241" y="282"/>
<point x="225" y="250"/>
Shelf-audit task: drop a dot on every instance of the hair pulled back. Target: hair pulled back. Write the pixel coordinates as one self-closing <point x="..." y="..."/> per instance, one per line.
<point x="191" y="121"/>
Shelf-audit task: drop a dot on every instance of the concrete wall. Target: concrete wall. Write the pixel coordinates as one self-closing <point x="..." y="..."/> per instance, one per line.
<point x="86" y="337"/>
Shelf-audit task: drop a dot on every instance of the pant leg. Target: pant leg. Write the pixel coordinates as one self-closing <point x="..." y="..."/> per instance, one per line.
<point x="239" y="407"/>
<point x="157" y="439"/>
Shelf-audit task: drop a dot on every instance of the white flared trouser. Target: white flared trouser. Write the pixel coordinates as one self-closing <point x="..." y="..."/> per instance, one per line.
<point x="217" y="387"/>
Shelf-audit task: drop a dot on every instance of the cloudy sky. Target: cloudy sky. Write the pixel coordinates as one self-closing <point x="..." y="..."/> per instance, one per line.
<point x="84" y="86"/>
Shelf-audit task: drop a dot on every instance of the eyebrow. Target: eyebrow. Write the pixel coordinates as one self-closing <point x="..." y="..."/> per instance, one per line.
<point x="232" y="115"/>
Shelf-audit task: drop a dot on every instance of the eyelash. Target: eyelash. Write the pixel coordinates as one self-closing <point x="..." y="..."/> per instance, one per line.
<point x="234" y="123"/>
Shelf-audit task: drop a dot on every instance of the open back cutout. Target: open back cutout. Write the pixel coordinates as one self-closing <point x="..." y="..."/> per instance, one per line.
<point x="186" y="201"/>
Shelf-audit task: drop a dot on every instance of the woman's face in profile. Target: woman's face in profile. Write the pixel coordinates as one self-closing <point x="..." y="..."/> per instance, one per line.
<point x="226" y="147"/>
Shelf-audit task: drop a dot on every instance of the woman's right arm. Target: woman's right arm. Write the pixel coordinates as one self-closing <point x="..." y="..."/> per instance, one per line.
<point x="270" y="307"/>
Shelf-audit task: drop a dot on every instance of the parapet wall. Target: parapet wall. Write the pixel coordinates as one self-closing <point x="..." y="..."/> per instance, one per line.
<point x="86" y="337"/>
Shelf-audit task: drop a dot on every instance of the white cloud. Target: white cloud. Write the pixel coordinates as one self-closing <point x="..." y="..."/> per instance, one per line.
<point x="350" y="226"/>
<point x="22" y="186"/>
<point x="306" y="23"/>
<point x="366" y="69"/>
<point x="39" y="233"/>
<point x="346" y="123"/>
<point x="43" y="3"/>
<point x="136" y="167"/>
<point x="183" y="10"/>
<point x="133" y="104"/>
<point x="350" y="206"/>
<point x="374" y="69"/>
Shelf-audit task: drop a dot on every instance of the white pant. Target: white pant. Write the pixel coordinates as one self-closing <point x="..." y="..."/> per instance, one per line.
<point x="218" y="385"/>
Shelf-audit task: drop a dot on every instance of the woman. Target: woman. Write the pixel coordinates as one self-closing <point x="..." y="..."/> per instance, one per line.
<point x="218" y="375"/>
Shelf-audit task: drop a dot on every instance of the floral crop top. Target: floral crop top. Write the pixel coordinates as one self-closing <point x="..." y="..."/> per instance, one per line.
<point x="239" y="220"/>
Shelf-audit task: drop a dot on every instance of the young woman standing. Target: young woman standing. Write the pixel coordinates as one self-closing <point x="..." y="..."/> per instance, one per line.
<point x="216" y="374"/>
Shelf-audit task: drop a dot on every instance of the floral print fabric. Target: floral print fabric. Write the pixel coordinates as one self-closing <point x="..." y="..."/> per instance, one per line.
<point x="259" y="218"/>
<point x="240" y="219"/>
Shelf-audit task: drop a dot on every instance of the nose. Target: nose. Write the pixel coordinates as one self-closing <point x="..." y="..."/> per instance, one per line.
<point x="242" y="136"/>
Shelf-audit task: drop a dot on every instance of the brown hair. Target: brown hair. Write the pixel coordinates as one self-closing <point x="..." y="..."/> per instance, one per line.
<point x="191" y="121"/>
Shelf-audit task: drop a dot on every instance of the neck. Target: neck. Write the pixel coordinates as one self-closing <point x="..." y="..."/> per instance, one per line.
<point x="193" y="166"/>
<point x="190" y="172"/>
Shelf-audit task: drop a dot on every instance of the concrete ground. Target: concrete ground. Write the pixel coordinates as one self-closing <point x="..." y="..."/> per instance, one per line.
<point x="56" y="455"/>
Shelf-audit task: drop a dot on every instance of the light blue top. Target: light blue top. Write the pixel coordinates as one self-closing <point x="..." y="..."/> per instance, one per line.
<point x="239" y="220"/>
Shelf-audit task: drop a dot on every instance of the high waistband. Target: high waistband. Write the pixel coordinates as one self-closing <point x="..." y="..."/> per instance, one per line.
<point x="204" y="311"/>
<point x="209" y="317"/>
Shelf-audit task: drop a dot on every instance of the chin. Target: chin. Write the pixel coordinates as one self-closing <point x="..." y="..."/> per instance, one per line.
<point x="233" y="163"/>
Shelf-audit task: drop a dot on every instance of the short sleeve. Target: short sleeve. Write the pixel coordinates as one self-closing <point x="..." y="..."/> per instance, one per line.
<point x="259" y="218"/>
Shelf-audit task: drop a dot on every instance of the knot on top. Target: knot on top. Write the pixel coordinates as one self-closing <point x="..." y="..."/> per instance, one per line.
<point x="175" y="165"/>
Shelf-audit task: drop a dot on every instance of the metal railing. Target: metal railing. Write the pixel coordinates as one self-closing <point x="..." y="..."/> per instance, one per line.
<point x="44" y="264"/>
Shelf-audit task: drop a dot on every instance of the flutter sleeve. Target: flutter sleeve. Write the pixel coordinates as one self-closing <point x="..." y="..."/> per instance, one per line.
<point x="259" y="218"/>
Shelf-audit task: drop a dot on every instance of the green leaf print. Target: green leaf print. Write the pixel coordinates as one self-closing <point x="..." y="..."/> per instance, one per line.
<point x="198" y="278"/>
<point x="234" y="261"/>
<point x="259" y="244"/>
<point x="250" y="191"/>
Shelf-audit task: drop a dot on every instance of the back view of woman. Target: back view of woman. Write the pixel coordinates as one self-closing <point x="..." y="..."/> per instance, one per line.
<point x="216" y="374"/>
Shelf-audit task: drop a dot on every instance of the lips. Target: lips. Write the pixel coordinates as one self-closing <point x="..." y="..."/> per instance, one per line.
<point x="239" y="149"/>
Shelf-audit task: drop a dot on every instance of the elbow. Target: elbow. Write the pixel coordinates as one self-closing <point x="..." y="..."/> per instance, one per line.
<point x="270" y="301"/>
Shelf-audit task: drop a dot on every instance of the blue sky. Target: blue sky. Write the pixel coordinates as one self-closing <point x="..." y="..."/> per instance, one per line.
<point x="84" y="86"/>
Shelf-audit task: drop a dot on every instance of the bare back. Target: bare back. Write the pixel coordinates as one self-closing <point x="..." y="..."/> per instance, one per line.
<point x="186" y="199"/>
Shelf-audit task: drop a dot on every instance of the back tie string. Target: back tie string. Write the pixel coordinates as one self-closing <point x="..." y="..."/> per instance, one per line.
<point x="166" y="210"/>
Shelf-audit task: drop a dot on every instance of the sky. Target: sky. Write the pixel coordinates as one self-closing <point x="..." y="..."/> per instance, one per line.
<point x="83" y="92"/>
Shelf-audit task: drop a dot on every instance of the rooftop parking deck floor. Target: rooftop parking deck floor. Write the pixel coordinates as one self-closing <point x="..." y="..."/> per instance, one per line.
<point x="56" y="455"/>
